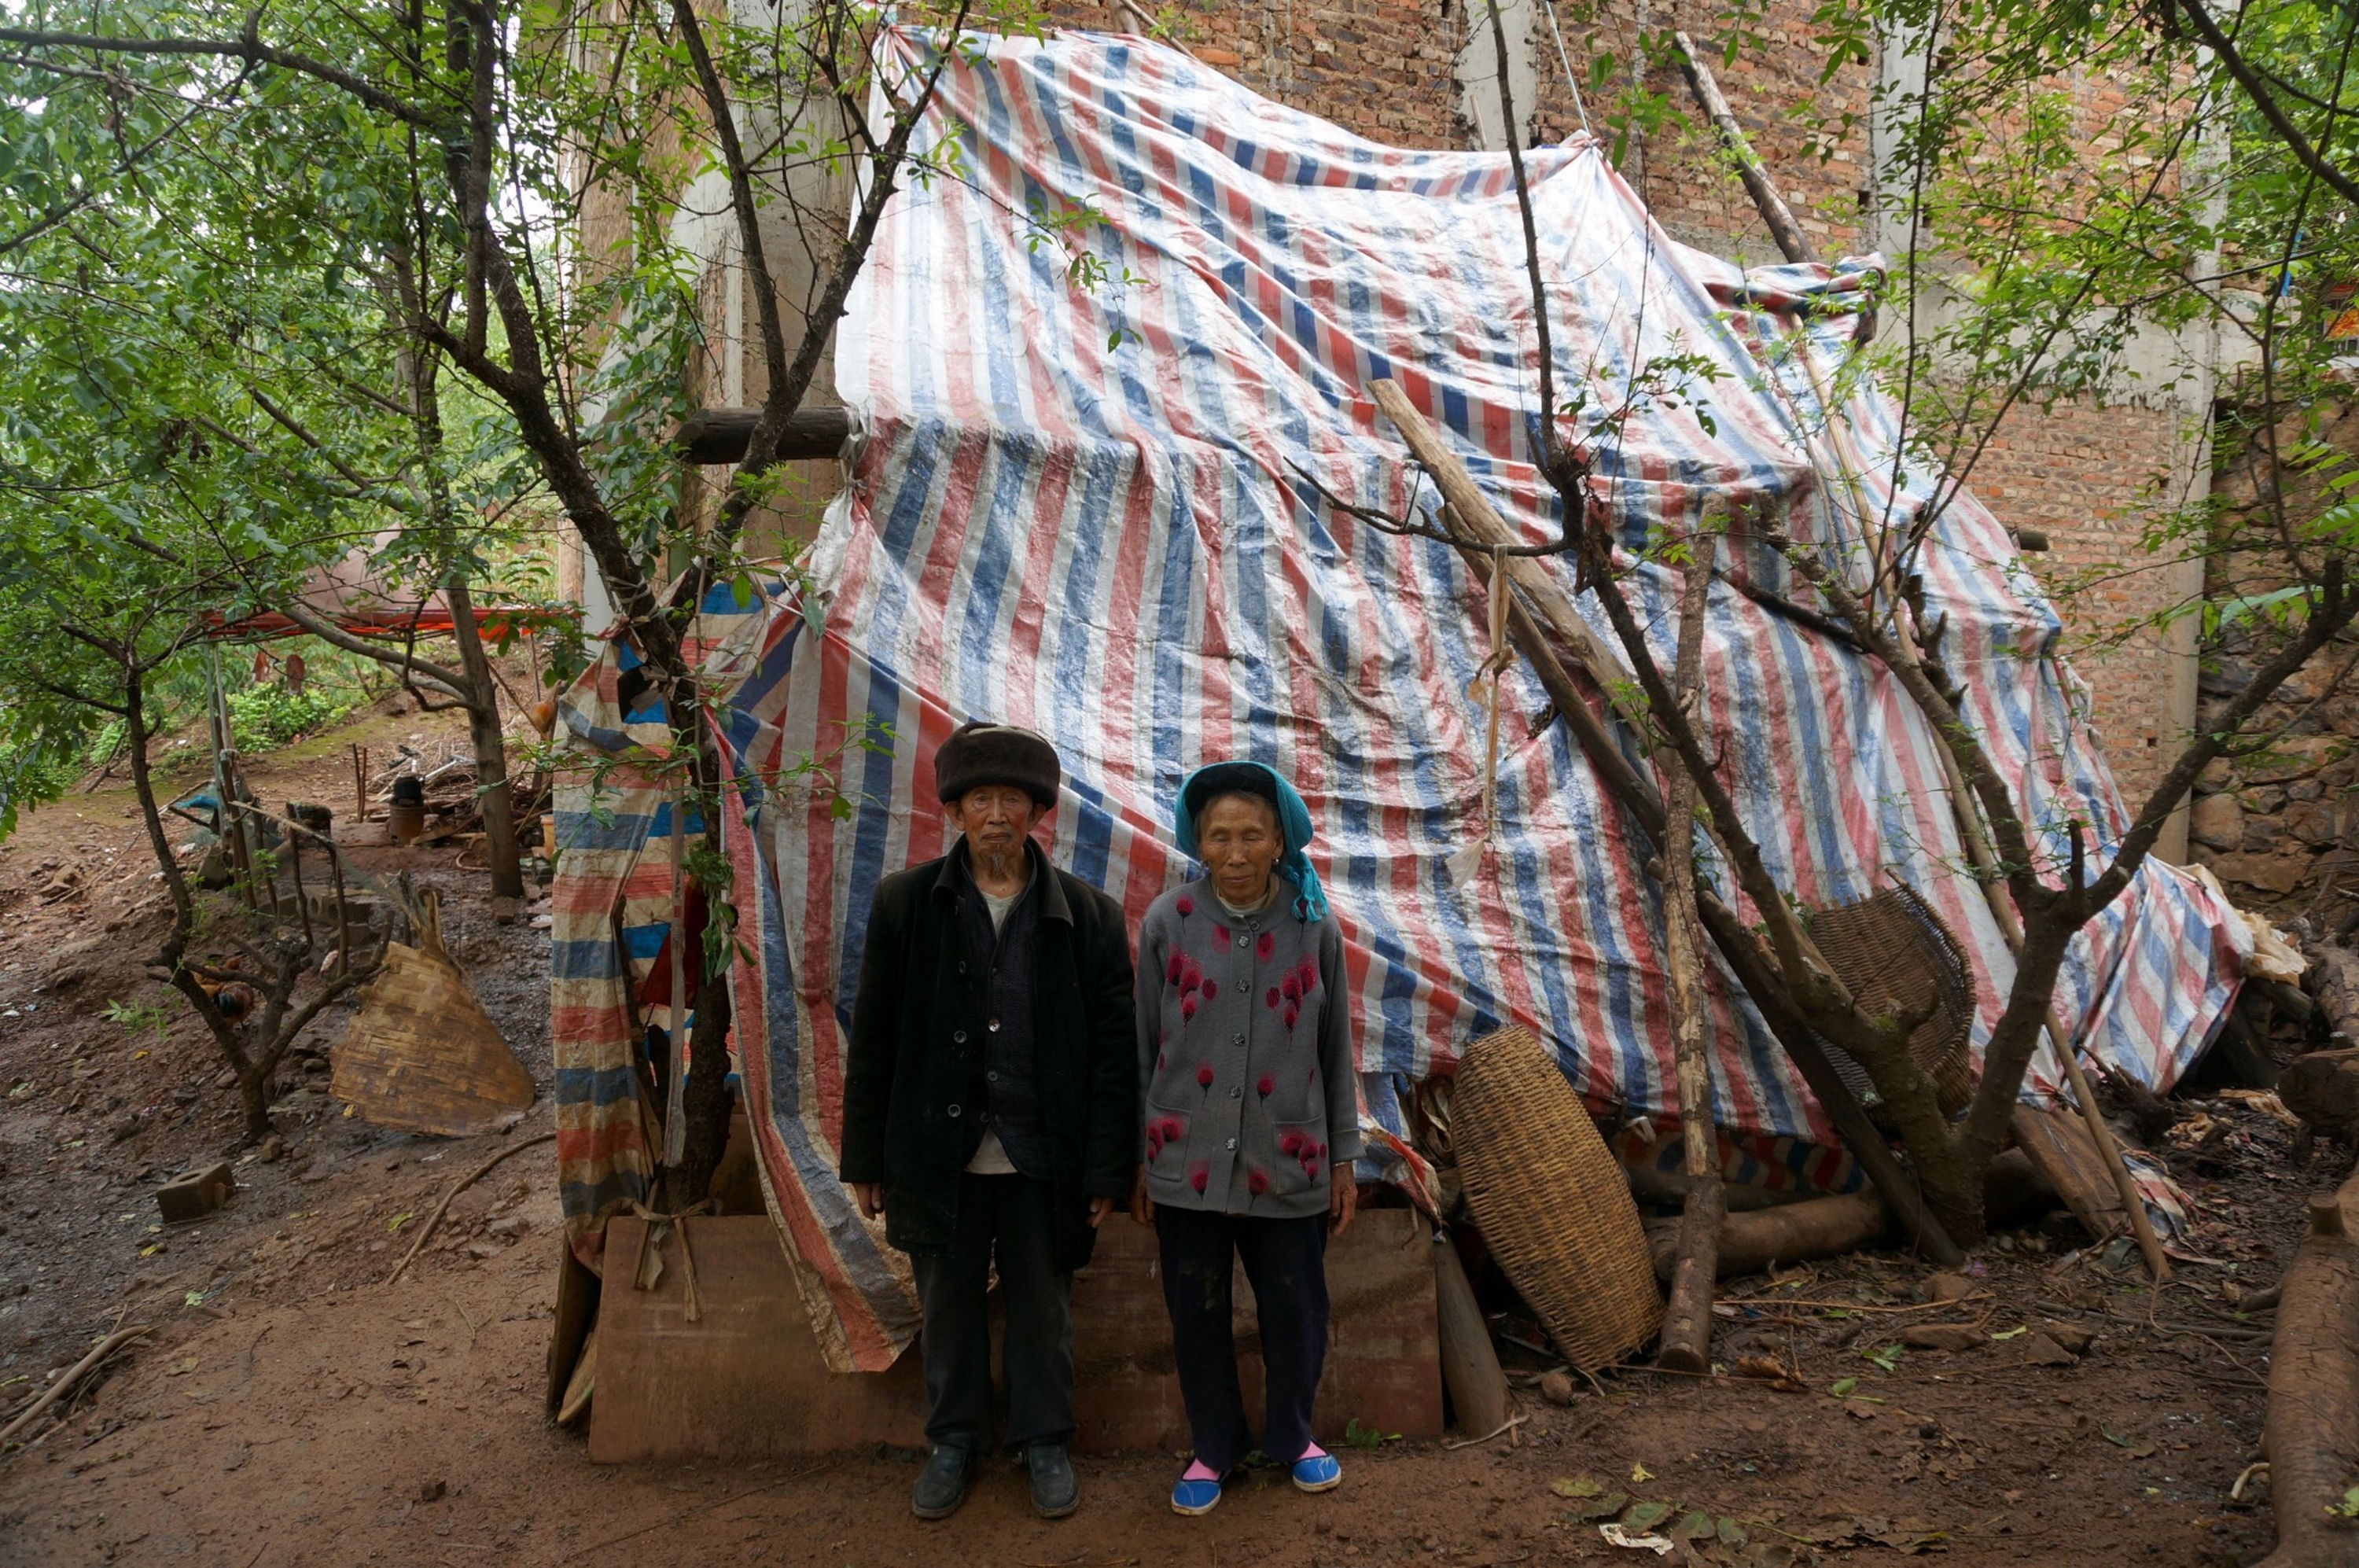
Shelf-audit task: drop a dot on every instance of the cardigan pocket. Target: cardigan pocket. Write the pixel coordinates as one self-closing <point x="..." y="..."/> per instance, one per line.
<point x="1166" y="1141"/>
<point x="1301" y="1157"/>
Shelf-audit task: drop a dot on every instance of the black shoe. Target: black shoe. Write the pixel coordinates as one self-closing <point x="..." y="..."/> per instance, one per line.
<point x="1056" y="1490"/>
<point x="941" y="1485"/>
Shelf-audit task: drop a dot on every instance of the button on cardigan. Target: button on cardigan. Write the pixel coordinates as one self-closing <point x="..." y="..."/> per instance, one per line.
<point x="1245" y="1045"/>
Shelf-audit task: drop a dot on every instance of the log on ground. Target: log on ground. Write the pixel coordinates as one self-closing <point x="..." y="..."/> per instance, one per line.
<point x="2310" y="1434"/>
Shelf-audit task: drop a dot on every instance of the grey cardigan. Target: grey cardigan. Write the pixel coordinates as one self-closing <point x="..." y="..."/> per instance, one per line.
<point x="1244" y="1046"/>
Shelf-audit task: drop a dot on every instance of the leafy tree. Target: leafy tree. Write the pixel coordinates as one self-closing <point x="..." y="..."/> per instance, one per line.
<point x="2047" y="226"/>
<point x="515" y="188"/>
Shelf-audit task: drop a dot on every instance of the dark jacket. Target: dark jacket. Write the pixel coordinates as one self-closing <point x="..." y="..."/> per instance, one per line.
<point x="911" y="1110"/>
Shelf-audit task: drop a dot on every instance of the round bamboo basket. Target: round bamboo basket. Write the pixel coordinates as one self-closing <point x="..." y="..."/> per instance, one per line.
<point x="1552" y="1201"/>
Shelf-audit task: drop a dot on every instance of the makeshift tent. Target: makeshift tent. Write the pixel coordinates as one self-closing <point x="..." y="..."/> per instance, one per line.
<point x="354" y="595"/>
<point x="1077" y="508"/>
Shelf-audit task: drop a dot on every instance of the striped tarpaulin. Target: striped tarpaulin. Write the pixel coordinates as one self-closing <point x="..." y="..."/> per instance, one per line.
<point x="1078" y="508"/>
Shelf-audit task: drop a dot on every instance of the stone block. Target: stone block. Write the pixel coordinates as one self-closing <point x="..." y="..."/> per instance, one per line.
<point x="2275" y="874"/>
<point x="746" y="1380"/>
<point x="2217" y="820"/>
<point x="195" y="1194"/>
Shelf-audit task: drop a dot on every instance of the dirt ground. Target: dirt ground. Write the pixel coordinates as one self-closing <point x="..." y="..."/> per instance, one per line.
<point x="289" y="1408"/>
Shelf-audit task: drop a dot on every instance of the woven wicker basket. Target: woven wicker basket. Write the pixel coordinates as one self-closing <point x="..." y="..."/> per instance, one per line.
<point x="1552" y="1202"/>
<point x="1895" y="955"/>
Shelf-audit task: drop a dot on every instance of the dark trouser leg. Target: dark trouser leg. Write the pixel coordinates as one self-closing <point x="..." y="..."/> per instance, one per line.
<point x="1198" y="1266"/>
<point x="1286" y="1261"/>
<point x="956" y="1340"/>
<point x="1039" y="1301"/>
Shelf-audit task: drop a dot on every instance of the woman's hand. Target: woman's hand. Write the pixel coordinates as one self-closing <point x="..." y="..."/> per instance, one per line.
<point x="1142" y="1207"/>
<point x="871" y="1197"/>
<point x="1342" y="1197"/>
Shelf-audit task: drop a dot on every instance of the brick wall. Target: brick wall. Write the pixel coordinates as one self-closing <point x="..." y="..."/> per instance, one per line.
<point x="2088" y="477"/>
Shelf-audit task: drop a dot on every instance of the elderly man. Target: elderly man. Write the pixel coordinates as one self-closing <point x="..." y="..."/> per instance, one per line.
<point x="991" y="1104"/>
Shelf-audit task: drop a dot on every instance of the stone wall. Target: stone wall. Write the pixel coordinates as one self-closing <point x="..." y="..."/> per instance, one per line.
<point x="2274" y="826"/>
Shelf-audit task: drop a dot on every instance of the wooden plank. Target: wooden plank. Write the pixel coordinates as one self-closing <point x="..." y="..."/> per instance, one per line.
<point x="2066" y="1157"/>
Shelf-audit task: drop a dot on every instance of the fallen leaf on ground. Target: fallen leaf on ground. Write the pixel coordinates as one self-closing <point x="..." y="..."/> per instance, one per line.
<point x="1577" y="1486"/>
<point x="1640" y="1472"/>
<point x="1646" y="1515"/>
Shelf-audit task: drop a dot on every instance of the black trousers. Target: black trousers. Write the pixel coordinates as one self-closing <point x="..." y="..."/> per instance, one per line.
<point x="1286" y="1262"/>
<point x="1010" y="1218"/>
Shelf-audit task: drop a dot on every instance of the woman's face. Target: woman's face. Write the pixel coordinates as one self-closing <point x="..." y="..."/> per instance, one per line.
<point x="1237" y="840"/>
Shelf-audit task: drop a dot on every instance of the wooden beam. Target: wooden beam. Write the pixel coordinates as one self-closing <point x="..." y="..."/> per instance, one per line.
<point x="719" y="435"/>
<point x="1772" y="206"/>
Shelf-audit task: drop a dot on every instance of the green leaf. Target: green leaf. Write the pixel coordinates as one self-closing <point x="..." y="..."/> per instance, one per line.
<point x="1577" y="1486"/>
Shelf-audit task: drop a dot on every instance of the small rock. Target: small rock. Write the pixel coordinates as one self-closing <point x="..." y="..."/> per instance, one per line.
<point x="127" y="1127"/>
<point x="1945" y="1286"/>
<point x="2041" y="1351"/>
<point x="516" y="1224"/>
<point x="481" y="1249"/>
<point x="1556" y="1388"/>
<point x="273" y="1148"/>
<point x="1941" y="1336"/>
<point x="506" y="910"/>
<point x="433" y="1491"/>
<point x="2073" y="1337"/>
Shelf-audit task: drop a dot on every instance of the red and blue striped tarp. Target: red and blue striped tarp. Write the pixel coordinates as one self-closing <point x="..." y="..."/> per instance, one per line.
<point x="1077" y="508"/>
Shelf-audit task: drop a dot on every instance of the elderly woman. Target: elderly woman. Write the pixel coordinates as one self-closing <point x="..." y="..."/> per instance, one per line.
<point x="1252" y="1116"/>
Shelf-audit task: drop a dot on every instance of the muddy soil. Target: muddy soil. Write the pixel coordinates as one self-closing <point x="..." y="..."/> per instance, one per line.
<point x="289" y="1408"/>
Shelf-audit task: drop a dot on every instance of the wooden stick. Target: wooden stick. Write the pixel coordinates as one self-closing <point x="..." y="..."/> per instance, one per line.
<point x="1765" y="200"/>
<point x="1469" y="1366"/>
<point x="2141" y="1225"/>
<point x="458" y="1187"/>
<point x="74" y="1375"/>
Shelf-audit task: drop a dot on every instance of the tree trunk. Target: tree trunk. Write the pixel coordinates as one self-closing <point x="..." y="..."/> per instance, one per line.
<point x="706" y="1137"/>
<point x="253" y="1087"/>
<point x="493" y="797"/>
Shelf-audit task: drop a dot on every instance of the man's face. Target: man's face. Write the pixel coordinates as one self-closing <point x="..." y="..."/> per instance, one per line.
<point x="996" y="817"/>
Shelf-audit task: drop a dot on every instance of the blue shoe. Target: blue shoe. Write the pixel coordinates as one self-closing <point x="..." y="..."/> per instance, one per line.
<point x="1194" y="1497"/>
<point x="1318" y="1473"/>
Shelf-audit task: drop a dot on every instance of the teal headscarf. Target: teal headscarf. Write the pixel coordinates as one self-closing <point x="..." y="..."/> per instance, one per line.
<point x="1294" y="829"/>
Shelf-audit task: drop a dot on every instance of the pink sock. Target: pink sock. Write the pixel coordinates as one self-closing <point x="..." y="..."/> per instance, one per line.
<point x="1198" y="1471"/>
<point x="1313" y="1452"/>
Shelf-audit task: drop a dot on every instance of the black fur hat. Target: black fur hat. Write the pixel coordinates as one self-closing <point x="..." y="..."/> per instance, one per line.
<point x="978" y="753"/>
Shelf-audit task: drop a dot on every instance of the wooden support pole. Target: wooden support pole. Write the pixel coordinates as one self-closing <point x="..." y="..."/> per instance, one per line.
<point x="1687" y="1325"/>
<point x="1469" y="509"/>
<point x="1772" y="206"/>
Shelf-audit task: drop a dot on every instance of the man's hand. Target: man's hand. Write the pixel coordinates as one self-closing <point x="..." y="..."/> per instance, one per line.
<point x="1099" y="1208"/>
<point x="871" y="1195"/>
<point x="1142" y="1207"/>
<point x="1342" y="1197"/>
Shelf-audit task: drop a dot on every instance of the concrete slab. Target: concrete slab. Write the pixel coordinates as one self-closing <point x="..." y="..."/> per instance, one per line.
<point x="746" y="1380"/>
